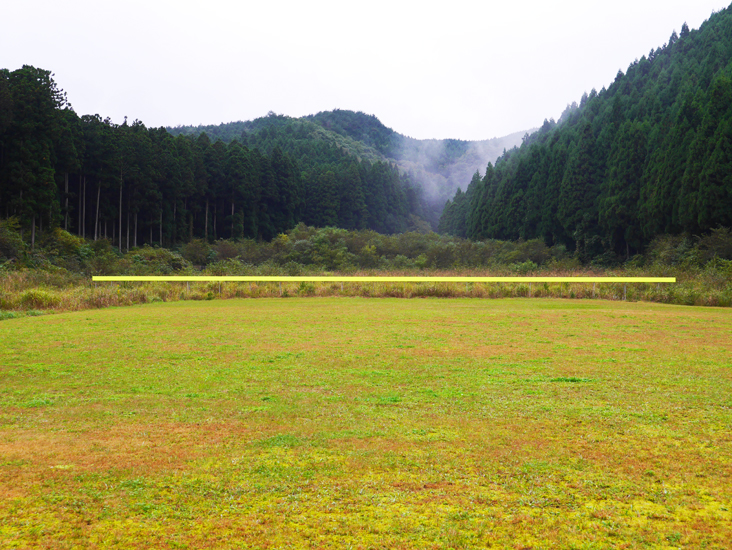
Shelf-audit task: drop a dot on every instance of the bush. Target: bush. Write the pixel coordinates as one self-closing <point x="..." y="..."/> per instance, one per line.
<point x="525" y="267"/>
<point x="225" y="250"/>
<point x="198" y="252"/>
<point x="151" y="260"/>
<point x="62" y="243"/>
<point x="718" y="244"/>
<point x="36" y="298"/>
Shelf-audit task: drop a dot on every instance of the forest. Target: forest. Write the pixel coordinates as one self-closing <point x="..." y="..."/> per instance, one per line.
<point x="436" y="166"/>
<point x="135" y="185"/>
<point x="649" y="155"/>
<point x="646" y="157"/>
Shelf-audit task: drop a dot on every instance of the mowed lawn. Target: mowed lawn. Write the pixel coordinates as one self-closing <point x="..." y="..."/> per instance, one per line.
<point x="368" y="423"/>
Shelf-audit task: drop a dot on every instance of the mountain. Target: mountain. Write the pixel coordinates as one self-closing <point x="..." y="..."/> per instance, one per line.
<point x="649" y="155"/>
<point x="437" y="166"/>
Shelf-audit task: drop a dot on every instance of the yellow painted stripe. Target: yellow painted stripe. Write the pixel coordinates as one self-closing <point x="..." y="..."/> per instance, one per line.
<point x="347" y="279"/>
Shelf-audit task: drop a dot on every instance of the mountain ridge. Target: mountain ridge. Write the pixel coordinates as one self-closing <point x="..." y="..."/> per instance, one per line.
<point x="438" y="166"/>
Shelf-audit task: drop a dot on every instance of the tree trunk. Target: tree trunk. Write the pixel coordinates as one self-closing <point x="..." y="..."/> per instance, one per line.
<point x="151" y="226"/>
<point x="190" y="222"/>
<point x="175" y="221"/>
<point x="83" y="215"/>
<point x="128" y="228"/>
<point x="120" y="212"/>
<point x="78" y="227"/>
<point x="205" y="227"/>
<point x="161" y="228"/>
<point x="33" y="233"/>
<point x="135" y="239"/>
<point x="214" y="222"/>
<point x="66" y="198"/>
<point x="21" y="205"/>
<point x="96" y="219"/>
<point x="232" y="219"/>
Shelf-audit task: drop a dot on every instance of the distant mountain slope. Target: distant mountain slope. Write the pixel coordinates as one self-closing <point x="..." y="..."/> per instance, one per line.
<point x="439" y="167"/>
<point x="651" y="154"/>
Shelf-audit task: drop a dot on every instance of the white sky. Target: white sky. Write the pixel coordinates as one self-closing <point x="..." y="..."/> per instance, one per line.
<point x="466" y="70"/>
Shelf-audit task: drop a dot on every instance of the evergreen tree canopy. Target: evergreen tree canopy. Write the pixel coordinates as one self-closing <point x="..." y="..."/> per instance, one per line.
<point x="648" y="155"/>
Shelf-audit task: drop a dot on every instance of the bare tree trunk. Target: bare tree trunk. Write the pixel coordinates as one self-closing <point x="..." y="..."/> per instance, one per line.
<point x="232" y="219"/>
<point x="214" y="222"/>
<point x="135" y="239"/>
<point x="161" y="228"/>
<point x="96" y="220"/>
<point x="205" y="230"/>
<point x="83" y="216"/>
<point x="151" y="226"/>
<point x="175" y="221"/>
<point x="189" y="221"/>
<point x="21" y="205"/>
<point x="78" y="227"/>
<point x="66" y="198"/>
<point x="120" y="212"/>
<point x="33" y="233"/>
<point x="128" y="228"/>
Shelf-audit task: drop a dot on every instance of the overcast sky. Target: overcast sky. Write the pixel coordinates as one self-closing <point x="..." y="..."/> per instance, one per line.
<point x="466" y="70"/>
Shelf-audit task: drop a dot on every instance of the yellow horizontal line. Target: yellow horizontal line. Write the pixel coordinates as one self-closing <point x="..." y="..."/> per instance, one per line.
<point x="346" y="279"/>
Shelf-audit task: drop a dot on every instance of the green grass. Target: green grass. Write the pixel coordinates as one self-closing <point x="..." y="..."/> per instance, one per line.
<point x="349" y="422"/>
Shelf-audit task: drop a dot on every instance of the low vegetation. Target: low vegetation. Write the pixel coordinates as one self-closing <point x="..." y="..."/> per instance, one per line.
<point x="337" y="423"/>
<point x="56" y="275"/>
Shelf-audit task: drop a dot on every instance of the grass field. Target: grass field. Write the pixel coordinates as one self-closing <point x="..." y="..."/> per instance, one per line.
<point x="368" y="423"/>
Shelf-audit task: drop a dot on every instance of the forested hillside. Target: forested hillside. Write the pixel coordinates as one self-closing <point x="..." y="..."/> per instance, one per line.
<point x="437" y="166"/>
<point x="134" y="185"/>
<point x="649" y="155"/>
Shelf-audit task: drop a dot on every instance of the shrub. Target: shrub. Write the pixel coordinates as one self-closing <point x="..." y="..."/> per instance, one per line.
<point x="62" y="243"/>
<point x="36" y="298"/>
<point x="156" y="260"/>
<point x="306" y="289"/>
<point x="198" y="252"/>
<point x="225" y="250"/>
<point x="525" y="267"/>
<point x="718" y="244"/>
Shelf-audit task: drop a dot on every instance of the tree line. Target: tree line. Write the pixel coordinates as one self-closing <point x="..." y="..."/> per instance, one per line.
<point x="135" y="185"/>
<point x="649" y="155"/>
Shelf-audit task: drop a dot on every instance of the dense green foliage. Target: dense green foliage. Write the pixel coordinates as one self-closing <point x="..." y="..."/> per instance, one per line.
<point x="649" y="155"/>
<point x="437" y="166"/>
<point x="305" y="247"/>
<point x="134" y="185"/>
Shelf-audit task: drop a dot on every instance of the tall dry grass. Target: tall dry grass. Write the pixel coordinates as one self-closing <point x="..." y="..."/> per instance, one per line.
<point x="32" y="290"/>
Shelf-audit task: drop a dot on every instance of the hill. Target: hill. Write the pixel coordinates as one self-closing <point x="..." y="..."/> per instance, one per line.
<point x="437" y="166"/>
<point x="649" y="155"/>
